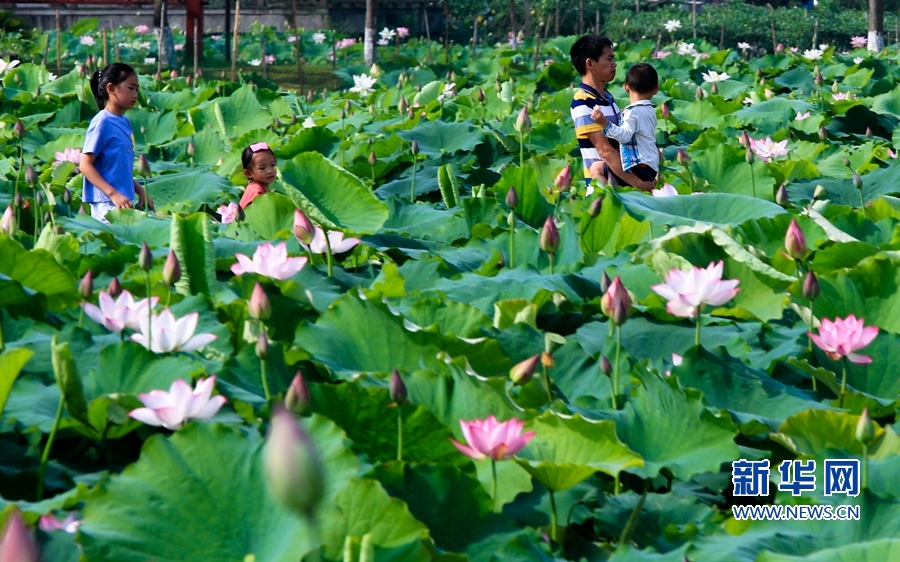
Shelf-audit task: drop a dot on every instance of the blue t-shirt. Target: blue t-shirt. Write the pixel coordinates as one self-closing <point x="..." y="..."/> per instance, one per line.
<point x="110" y="139"/>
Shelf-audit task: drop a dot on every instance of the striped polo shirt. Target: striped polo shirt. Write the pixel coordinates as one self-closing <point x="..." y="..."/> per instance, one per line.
<point x="583" y="102"/>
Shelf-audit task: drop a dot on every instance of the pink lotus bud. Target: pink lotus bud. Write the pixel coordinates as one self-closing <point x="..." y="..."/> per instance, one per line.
<point x="372" y="158"/>
<point x="666" y="114"/>
<point x="749" y="156"/>
<point x="19" y="129"/>
<point x="298" y="396"/>
<point x="174" y="73"/>
<point x="857" y="181"/>
<point x="811" y="288"/>
<point x="564" y="179"/>
<point x="481" y="96"/>
<point x="67" y="196"/>
<point x="605" y="282"/>
<point x="865" y="429"/>
<point x="512" y="198"/>
<point x="145" y="258"/>
<point x="171" y="273"/>
<point x="522" y="372"/>
<point x="869" y="133"/>
<point x="845" y="161"/>
<point x="143" y="166"/>
<point x="115" y="288"/>
<point x="781" y="196"/>
<point x="596" y="207"/>
<point x="18" y="545"/>
<point x="86" y="287"/>
<point x="31" y="177"/>
<point x="700" y="93"/>
<point x="823" y="133"/>
<point x="294" y="472"/>
<point x="549" y="239"/>
<point x="605" y="366"/>
<point x="523" y="122"/>
<point x="262" y="346"/>
<point x="714" y="89"/>
<point x="303" y="227"/>
<point x="795" y="241"/>
<point x="745" y="139"/>
<point x="819" y="79"/>
<point x="616" y="303"/>
<point x="191" y="149"/>
<point x="402" y="105"/>
<point x="397" y="388"/>
<point x="8" y="223"/>
<point x="683" y="157"/>
<point x="260" y="307"/>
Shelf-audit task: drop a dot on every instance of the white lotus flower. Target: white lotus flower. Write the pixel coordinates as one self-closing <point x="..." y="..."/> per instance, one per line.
<point x="308" y="123"/>
<point x="181" y="403"/>
<point x="823" y="46"/>
<point x="812" y="54"/>
<point x="713" y="76"/>
<point x="150" y="60"/>
<point x="255" y="62"/>
<point x="339" y="244"/>
<point x="169" y="334"/>
<point x="116" y="315"/>
<point x="383" y="42"/>
<point x="86" y="40"/>
<point x="51" y="77"/>
<point x="4" y="66"/>
<point x="145" y="45"/>
<point x="319" y="38"/>
<point x="667" y="190"/>
<point x="857" y="60"/>
<point x="687" y="49"/>
<point x="801" y="116"/>
<point x="743" y="46"/>
<point x="362" y="84"/>
<point x="672" y="25"/>
<point x="387" y="34"/>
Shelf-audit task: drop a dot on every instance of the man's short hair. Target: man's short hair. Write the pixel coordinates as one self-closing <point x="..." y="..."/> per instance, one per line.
<point x="642" y="78"/>
<point x="588" y="46"/>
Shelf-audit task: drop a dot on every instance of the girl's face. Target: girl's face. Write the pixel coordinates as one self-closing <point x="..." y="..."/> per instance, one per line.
<point x="262" y="168"/>
<point x="123" y="96"/>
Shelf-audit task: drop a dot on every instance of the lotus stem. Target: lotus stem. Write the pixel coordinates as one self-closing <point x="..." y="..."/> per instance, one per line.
<point x="865" y="466"/>
<point x="554" y="524"/>
<point x="615" y="390"/>
<point x="262" y="371"/>
<point x="168" y="297"/>
<point x="843" y="382"/>
<point x="617" y="485"/>
<point x="37" y="227"/>
<point x="494" y="483"/>
<point x="811" y="322"/>
<point x="328" y="251"/>
<point x="547" y="383"/>
<point x="551" y="263"/>
<point x="752" y="181"/>
<point x="512" y="242"/>
<point x="149" y="315"/>
<point x="18" y="171"/>
<point x="81" y="316"/>
<point x="412" y="185"/>
<point x="46" y="455"/>
<point x="522" y="154"/>
<point x="400" y="433"/>
<point x="2" y="344"/>
<point x="697" y="332"/>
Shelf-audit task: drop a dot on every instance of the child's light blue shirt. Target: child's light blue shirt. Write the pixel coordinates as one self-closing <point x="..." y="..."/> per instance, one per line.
<point x="110" y="139"/>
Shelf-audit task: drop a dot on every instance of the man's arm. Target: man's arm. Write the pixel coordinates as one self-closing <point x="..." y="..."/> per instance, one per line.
<point x="612" y="159"/>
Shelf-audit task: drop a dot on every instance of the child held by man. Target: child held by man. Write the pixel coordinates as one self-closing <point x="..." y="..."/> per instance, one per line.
<point x="637" y="129"/>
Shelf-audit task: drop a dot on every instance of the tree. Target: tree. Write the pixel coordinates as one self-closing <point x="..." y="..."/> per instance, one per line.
<point x="876" y="25"/>
<point x="369" y="41"/>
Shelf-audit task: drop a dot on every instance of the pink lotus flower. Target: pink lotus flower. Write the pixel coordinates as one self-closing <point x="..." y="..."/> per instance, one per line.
<point x="339" y="244"/>
<point x="179" y="46"/>
<point x="345" y="43"/>
<point x="677" y="360"/>
<point x="768" y="149"/>
<point x="229" y="213"/>
<point x="270" y="261"/>
<point x="270" y="59"/>
<point x="490" y="438"/>
<point x="858" y="42"/>
<point x="844" y="336"/>
<point x="841" y="96"/>
<point x="123" y="312"/>
<point x="18" y="545"/>
<point x="141" y="29"/>
<point x="49" y="523"/>
<point x="171" y="409"/>
<point x="801" y="116"/>
<point x="402" y="32"/>
<point x="661" y="54"/>
<point x="667" y="190"/>
<point x="687" y="291"/>
<point x="169" y="334"/>
<point x="891" y="153"/>
<point x="72" y="155"/>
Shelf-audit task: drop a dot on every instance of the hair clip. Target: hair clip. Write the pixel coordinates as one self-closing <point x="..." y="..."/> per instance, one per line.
<point x="259" y="146"/>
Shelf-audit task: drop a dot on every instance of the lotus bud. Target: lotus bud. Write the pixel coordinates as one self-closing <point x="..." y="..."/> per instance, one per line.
<point x="67" y="196"/>
<point x="8" y="223"/>
<point x="795" y="241"/>
<point x="811" y="288"/>
<point x="143" y="130"/>
<point x="397" y="388"/>
<point x="666" y="114"/>
<point x="819" y="80"/>
<point x="781" y="196"/>
<point x="549" y="239"/>
<point x="260" y="307"/>
<point x="372" y="158"/>
<point x="402" y="105"/>
<point x="19" y="129"/>
<point x="240" y="214"/>
<point x="497" y="84"/>
<point x="143" y="166"/>
<point x="522" y="372"/>
<point x="115" y="288"/>
<point x="310" y="96"/>
<point x="683" y="157"/>
<point x="820" y="192"/>
<point x="857" y="181"/>
<point x="605" y="282"/>
<point x="171" y="272"/>
<point x="779" y="48"/>
<point x="596" y="207"/>
<point x="86" y="287"/>
<point x="823" y="133"/>
<point x="157" y="76"/>
<point x="191" y="149"/>
<point x="47" y="217"/>
<point x="298" y="397"/>
<point x="82" y="71"/>
<point x="749" y="156"/>
<point x="616" y="303"/>
<point x="31" y="177"/>
<point x="294" y="472"/>
<point x="188" y="80"/>
<point x="605" y="366"/>
<point x="759" y="73"/>
<point x="523" y="122"/>
<point x="294" y="119"/>
<point x="411" y="114"/>
<point x="835" y="88"/>
<point x="481" y="96"/>
<point x="865" y="429"/>
<point x="564" y="179"/>
<point x="512" y="198"/>
<point x="845" y="161"/>
<point x="869" y="133"/>
<point x="414" y="148"/>
<point x="174" y="73"/>
<point x="745" y="139"/>
<point x="343" y="115"/>
<point x="145" y="258"/>
<point x="700" y="93"/>
<point x="303" y="227"/>
<point x="262" y="346"/>
<point x="19" y="201"/>
<point x="18" y="544"/>
<point x="39" y="199"/>
<point x="714" y="89"/>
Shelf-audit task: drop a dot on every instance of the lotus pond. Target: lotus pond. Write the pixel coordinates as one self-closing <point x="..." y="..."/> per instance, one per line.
<point x="635" y="426"/>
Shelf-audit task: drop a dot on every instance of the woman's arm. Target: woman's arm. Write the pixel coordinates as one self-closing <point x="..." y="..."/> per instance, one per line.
<point x="90" y="172"/>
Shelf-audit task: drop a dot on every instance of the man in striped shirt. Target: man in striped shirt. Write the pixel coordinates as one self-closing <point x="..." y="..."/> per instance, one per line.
<point x="594" y="59"/>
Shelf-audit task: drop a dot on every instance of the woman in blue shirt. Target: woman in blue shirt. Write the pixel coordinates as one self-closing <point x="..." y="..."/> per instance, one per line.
<point x="107" y="160"/>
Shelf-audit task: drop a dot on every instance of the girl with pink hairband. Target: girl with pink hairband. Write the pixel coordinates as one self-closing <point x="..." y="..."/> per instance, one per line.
<point x="259" y="167"/>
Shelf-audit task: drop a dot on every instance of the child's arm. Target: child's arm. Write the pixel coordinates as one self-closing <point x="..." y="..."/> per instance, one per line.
<point x="625" y="131"/>
<point x="90" y="172"/>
